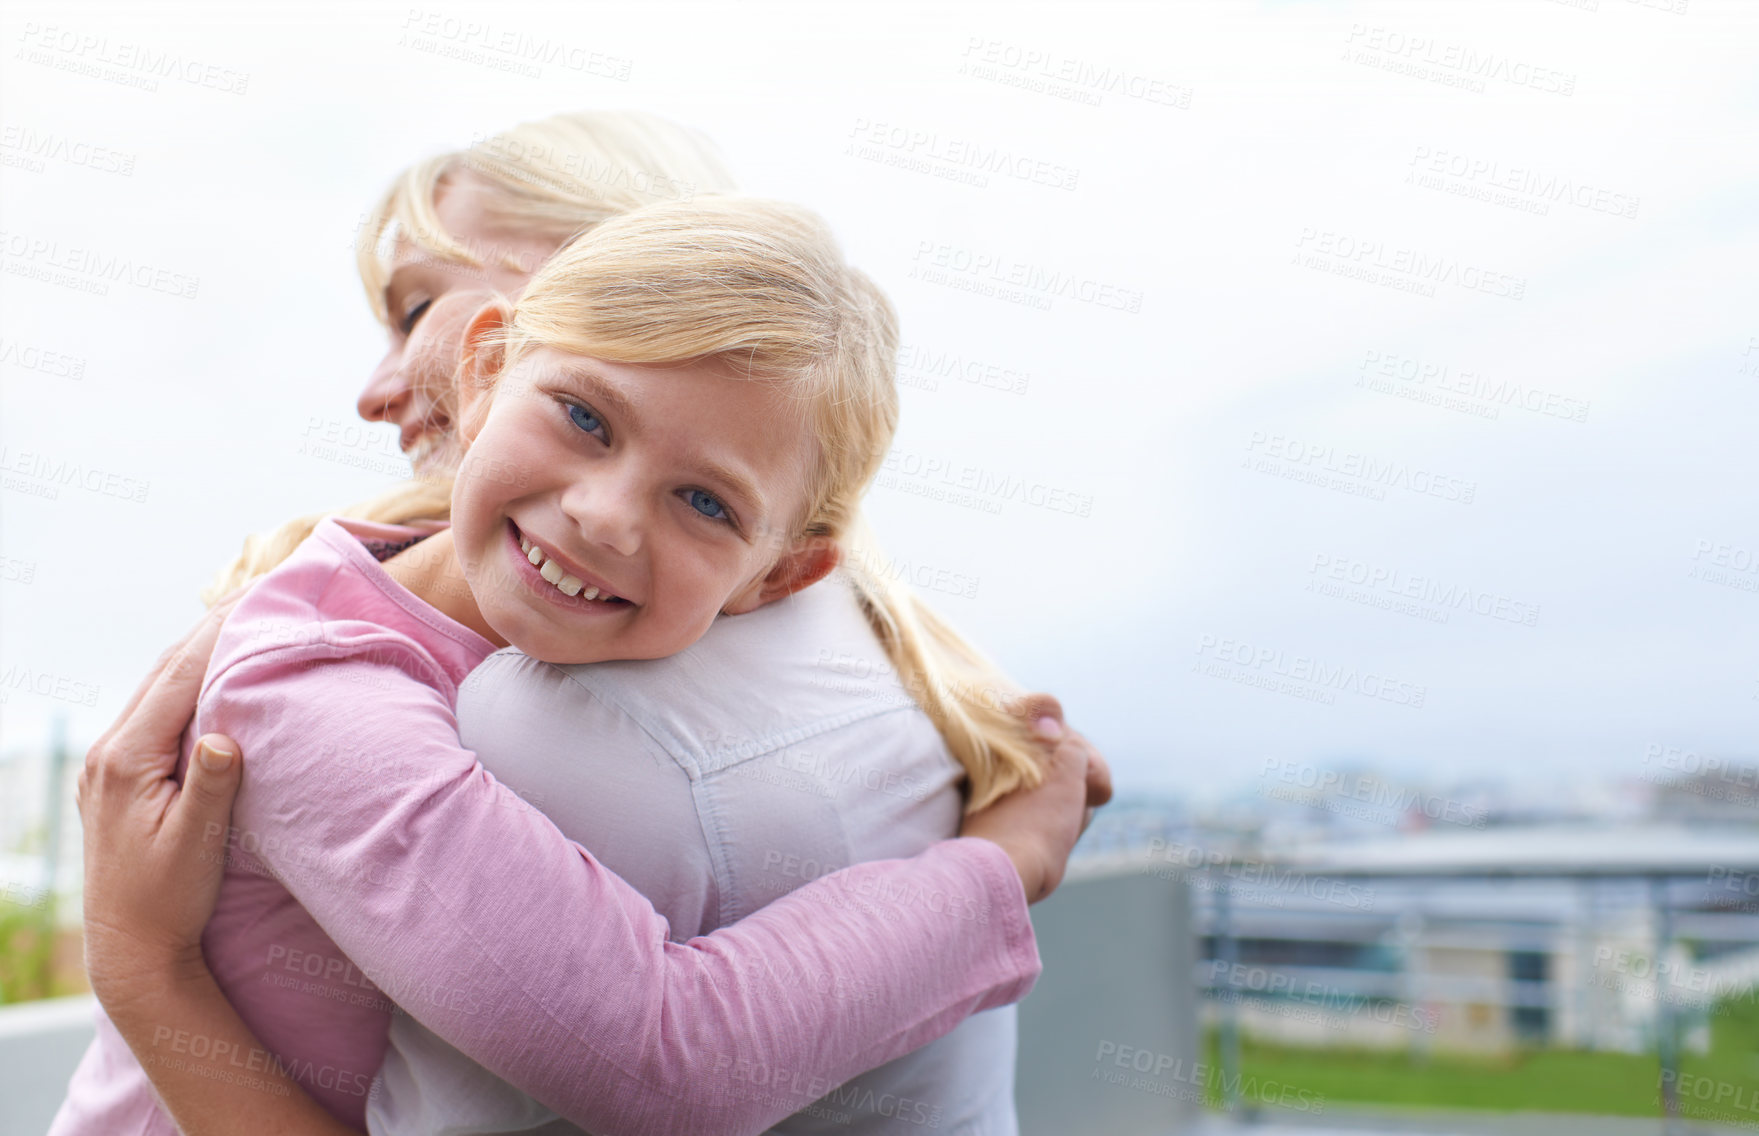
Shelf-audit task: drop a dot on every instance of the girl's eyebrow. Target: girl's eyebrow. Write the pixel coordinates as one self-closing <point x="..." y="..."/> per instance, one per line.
<point x="605" y="395"/>
<point x="737" y="485"/>
<point x="600" y="389"/>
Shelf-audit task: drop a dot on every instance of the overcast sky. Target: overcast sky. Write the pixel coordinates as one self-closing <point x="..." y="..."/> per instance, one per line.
<point x="1307" y="383"/>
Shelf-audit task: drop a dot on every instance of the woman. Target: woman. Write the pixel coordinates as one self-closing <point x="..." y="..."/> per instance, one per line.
<point x="417" y="295"/>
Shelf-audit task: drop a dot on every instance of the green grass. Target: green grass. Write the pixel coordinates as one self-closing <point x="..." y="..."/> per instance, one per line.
<point x="26" y="947"/>
<point x="1533" y="1080"/>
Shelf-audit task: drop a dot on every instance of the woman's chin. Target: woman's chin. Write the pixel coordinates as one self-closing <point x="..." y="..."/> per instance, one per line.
<point x="435" y="456"/>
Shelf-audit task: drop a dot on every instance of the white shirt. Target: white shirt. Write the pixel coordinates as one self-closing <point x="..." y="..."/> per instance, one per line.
<point x="776" y="749"/>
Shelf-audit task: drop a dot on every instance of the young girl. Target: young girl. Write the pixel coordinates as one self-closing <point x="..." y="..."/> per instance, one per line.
<point x="608" y="509"/>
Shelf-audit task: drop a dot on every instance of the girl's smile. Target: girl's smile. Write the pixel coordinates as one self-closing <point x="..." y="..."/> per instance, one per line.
<point x="561" y="583"/>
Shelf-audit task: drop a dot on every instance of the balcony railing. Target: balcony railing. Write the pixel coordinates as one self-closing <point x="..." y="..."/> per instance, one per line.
<point x="1117" y="946"/>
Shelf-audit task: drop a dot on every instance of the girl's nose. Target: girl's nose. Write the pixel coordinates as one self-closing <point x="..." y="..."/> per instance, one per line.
<point x="607" y="511"/>
<point x="387" y="392"/>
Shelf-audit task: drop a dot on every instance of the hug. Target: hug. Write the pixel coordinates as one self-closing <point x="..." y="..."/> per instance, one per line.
<point x="593" y="780"/>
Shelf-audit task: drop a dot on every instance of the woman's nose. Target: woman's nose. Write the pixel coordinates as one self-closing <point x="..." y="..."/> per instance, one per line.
<point x="387" y="392"/>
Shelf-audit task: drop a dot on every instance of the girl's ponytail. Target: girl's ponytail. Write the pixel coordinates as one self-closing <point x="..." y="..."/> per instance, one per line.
<point x="967" y="697"/>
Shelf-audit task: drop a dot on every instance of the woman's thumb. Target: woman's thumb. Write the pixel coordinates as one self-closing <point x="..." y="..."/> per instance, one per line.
<point x="209" y="784"/>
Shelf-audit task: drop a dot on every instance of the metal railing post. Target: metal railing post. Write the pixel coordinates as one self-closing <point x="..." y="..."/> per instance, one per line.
<point x="1227" y="956"/>
<point x="1666" y="1043"/>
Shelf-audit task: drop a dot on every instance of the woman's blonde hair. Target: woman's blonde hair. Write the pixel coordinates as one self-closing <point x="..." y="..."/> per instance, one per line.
<point x="762" y="288"/>
<point x="551" y="178"/>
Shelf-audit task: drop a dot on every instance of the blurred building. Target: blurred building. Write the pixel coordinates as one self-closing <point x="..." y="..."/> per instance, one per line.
<point x="1486" y="940"/>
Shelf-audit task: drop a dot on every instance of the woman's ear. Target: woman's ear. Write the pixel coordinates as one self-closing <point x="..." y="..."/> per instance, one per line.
<point x="480" y="359"/>
<point x="807" y="562"/>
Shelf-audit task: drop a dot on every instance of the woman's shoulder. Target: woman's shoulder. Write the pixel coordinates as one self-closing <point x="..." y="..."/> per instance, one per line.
<point x="803" y="667"/>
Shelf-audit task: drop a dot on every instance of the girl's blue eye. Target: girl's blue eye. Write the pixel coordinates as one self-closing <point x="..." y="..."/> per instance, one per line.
<point x="585" y="419"/>
<point x="706" y="505"/>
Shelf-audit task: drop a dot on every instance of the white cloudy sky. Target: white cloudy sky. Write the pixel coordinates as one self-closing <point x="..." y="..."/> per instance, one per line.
<point x="1244" y="156"/>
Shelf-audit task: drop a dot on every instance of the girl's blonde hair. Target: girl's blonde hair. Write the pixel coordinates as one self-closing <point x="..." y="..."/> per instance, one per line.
<point x="762" y="288"/>
<point x="549" y="178"/>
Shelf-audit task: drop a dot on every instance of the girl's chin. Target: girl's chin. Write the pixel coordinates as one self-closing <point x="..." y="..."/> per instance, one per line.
<point x="527" y="633"/>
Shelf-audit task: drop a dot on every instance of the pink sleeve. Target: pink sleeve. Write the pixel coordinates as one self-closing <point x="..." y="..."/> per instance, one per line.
<point x="473" y="912"/>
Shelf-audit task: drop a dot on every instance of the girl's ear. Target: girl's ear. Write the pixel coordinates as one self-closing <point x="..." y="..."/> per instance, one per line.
<point x="481" y="356"/>
<point x="803" y="565"/>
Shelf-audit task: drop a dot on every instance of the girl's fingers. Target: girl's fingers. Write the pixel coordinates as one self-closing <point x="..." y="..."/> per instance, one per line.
<point x="1099" y="780"/>
<point x="1074" y="749"/>
<point x="1032" y="707"/>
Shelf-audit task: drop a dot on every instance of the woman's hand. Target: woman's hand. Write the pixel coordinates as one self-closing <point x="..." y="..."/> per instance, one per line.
<point x="155" y="850"/>
<point x="155" y="853"/>
<point x="1038" y="827"/>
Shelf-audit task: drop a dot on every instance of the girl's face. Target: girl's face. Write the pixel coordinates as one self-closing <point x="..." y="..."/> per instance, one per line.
<point x="611" y="511"/>
<point x="428" y="301"/>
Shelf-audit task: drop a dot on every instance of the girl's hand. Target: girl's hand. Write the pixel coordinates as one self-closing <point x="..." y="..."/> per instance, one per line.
<point x="154" y="850"/>
<point x="1038" y="827"/>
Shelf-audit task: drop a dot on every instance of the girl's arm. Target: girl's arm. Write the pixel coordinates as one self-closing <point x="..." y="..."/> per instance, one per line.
<point x="559" y="977"/>
<point x="153" y="866"/>
<point x="153" y="859"/>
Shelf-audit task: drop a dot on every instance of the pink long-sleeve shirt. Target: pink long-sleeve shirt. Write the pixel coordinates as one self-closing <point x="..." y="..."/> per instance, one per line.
<point x="373" y="860"/>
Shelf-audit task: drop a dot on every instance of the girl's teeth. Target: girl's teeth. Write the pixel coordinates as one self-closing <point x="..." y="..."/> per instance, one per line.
<point x="551" y="571"/>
